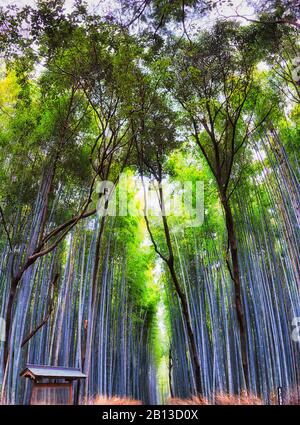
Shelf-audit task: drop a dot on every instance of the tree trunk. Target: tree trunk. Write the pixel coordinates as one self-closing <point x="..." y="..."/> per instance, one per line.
<point x="191" y="336"/>
<point x="91" y="320"/>
<point x="8" y="318"/>
<point x="182" y="297"/>
<point x="170" y="373"/>
<point x="235" y="275"/>
<point x="46" y="188"/>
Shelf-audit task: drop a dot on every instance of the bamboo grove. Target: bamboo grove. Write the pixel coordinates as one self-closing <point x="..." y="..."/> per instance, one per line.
<point x="147" y="305"/>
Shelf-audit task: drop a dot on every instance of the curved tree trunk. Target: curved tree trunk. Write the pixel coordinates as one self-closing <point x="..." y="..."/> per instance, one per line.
<point x="182" y="297"/>
<point x="191" y="336"/>
<point x="235" y="276"/>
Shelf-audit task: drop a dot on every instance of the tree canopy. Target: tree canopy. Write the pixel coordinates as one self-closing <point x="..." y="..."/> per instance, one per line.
<point x="99" y="107"/>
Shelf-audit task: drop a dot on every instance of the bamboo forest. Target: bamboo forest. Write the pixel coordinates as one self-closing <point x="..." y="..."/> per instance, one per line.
<point x="149" y="202"/>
